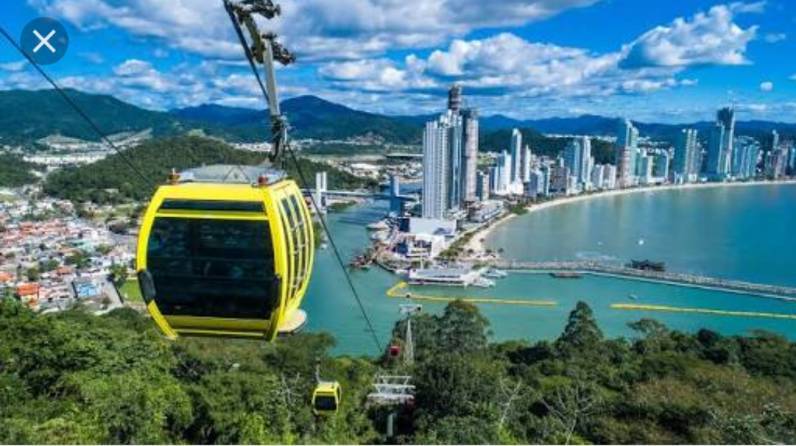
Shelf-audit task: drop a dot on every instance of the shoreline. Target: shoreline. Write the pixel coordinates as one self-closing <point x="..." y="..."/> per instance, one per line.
<point x="478" y="246"/>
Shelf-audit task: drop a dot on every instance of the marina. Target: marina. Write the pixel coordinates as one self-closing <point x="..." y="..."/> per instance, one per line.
<point x="577" y="269"/>
<point x="512" y="319"/>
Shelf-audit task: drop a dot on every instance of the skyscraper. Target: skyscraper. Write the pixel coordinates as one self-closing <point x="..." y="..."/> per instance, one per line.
<point x="746" y="151"/>
<point x="455" y="98"/>
<point x="625" y="148"/>
<point x="609" y="178"/>
<point x="660" y="165"/>
<point x="470" y="154"/>
<point x="516" y="156"/>
<point x="726" y="116"/>
<point x="482" y="186"/>
<point x="450" y="157"/>
<point x="577" y="156"/>
<point x="685" y="155"/>
<point x="598" y="176"/>
<point x="792" y="161"/>
<point x="501" y="174"/>
<point x="525" y="164"/>
<point x="584" y="175"/>
<point x="435" y="167"/>
<point x="720" y="144"/>
<point x="713" y="166"/>
<point x="455" y="171"/>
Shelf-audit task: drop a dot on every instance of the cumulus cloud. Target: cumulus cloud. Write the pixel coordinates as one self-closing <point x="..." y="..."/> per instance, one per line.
<point x="766" y="86"/>
<point x="320" y="29"/>
<point x="343" y="47"/>
<point x="711" y="38"/>
<point x="508" y="63"/>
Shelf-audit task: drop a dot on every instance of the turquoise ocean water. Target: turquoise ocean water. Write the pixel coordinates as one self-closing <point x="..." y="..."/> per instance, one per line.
<point x="735" y="232"/>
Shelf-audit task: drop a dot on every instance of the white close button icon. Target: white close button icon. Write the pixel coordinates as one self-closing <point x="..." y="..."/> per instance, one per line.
<point x="44" y="41"/>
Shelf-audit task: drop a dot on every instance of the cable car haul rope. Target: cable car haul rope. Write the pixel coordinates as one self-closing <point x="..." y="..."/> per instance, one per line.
<point x="224" y="258"/>
<point x="218" y="256"/>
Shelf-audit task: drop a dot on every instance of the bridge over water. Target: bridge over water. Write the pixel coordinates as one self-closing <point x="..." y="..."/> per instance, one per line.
<point x="393" y="195"/>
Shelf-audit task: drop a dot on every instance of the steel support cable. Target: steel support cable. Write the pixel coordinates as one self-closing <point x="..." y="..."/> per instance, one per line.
<point x="77" y="109"/>
<point x="305" y="183"/>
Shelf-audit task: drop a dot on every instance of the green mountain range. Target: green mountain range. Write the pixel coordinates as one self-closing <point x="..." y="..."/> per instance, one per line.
<point x="26" y="116"/>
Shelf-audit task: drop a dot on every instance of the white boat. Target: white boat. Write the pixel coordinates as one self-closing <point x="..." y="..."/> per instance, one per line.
<point x="447" y="277"/>
<point x="493" y="273"/>
<point x="483" y="282"/>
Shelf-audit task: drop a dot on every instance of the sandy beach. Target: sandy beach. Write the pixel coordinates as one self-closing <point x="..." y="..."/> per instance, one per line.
<point x="478" y="247"/>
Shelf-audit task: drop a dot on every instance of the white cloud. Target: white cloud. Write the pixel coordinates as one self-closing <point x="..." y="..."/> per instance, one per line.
<point x="506" y="64"/>
<point x="93" y="57"/>
<point x="741" y="7"/>
<point x="378" y="74"/>
<point x="766" y="86"/>
<point x="775" y="37"/>
<point x="710" y="38"/>
<point x="316" y="29"/>
<point x="343" y="44"/>
<point x="14" y="66"/>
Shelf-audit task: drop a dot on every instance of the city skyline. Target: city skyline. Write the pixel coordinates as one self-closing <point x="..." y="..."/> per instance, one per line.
<point x="672" y="63"/>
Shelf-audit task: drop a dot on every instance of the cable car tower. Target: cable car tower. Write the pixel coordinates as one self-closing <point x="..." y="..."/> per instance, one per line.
<point x="409" y="347"/>
<point x="395" y="391"/>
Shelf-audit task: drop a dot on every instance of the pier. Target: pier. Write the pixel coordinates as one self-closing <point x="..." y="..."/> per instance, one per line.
<point x="671" y="309"/>
<point x="399" y="290"/>
<point x="693" y="280"/>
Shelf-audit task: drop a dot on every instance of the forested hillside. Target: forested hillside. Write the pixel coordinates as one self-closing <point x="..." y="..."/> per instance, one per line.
<point x="77" y="378"/>
<point x="27" y="115"/>
<point x="15" y="171"/>
<point x="112" y="180"/>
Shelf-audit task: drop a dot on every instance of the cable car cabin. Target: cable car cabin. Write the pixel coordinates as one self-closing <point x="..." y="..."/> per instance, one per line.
<point x="223" y="259"/>
<point x="326" y="397"/>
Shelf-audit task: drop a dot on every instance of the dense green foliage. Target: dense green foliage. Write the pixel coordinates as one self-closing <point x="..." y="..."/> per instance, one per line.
<point x="111" y="180"/>
<point x="26" y="116"/>
<point x="76" y="378"/>
<point x="500" y="140"/>
<point x="14" y="171"/>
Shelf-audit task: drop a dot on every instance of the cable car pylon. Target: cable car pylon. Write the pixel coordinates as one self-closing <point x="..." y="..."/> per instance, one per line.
<point x="409" y="347"/>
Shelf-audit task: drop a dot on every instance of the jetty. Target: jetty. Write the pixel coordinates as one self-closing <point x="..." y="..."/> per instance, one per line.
<point x="693" y="280"/>
<point x="400" y="290"/>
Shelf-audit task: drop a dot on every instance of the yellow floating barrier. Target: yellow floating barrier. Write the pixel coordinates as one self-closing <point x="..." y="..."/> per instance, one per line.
<point x="702" y="311"/>
<point x="395" y="291"/>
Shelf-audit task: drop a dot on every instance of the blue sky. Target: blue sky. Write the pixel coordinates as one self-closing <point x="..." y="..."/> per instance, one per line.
<point x="663" y="61"/>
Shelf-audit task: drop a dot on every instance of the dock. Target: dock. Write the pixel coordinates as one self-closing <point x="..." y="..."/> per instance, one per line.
<point x="399" y="291"/>
<point x="692" y="280"/>
<point x="672" y="309"/>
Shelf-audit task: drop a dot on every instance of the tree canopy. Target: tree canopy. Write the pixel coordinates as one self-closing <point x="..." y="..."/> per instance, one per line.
<point x="113" y="180"/>
<point x="73" y="377"/>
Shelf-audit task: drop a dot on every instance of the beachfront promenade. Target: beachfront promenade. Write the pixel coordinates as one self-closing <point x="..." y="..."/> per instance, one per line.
<point x="597" y="268"/>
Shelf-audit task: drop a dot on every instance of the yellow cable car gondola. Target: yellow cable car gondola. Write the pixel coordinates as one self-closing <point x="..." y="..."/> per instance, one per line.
<point x="225" y="259"/>
<point x="326" y="398"/>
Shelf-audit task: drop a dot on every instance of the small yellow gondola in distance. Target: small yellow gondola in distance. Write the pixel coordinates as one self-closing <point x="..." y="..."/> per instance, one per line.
<point x="226" y="259"/>
<point x="326" y="398"/>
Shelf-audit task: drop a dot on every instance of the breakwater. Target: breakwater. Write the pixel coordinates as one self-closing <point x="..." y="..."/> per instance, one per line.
<point x="598" y="268"/>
